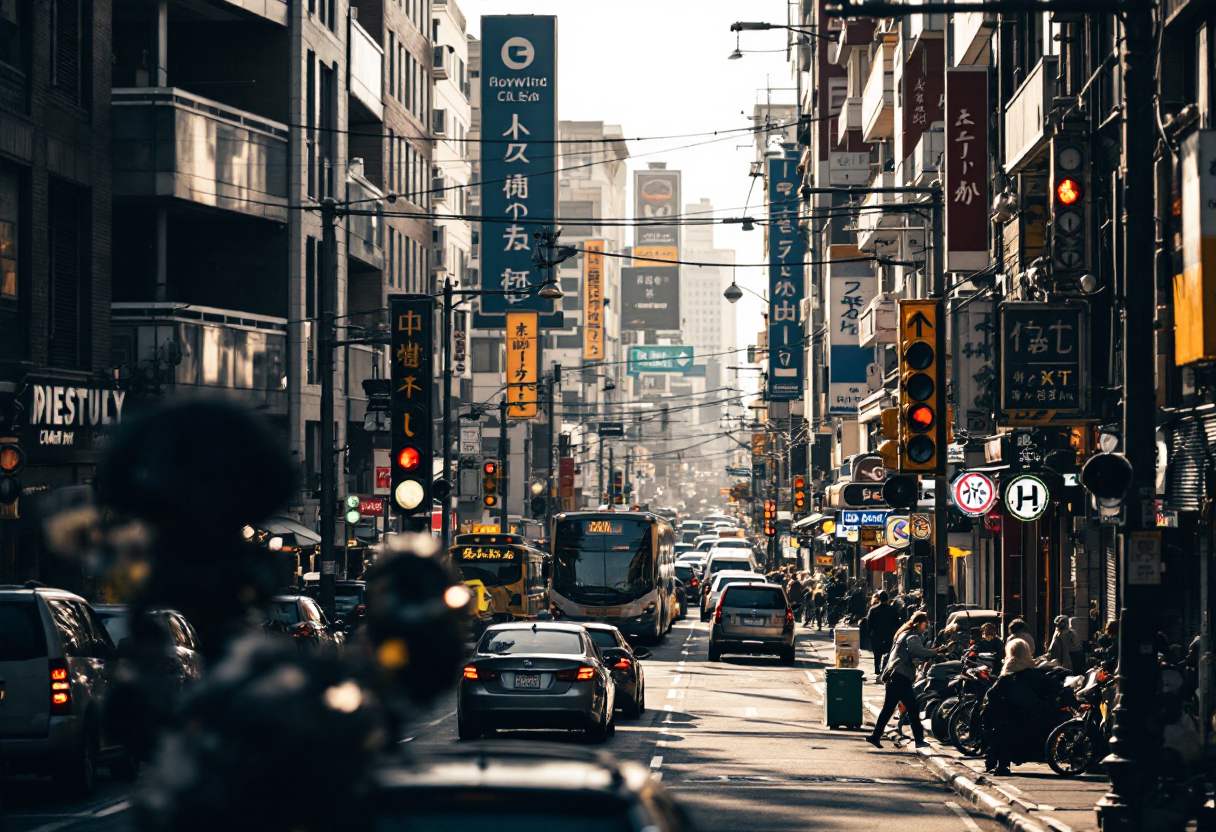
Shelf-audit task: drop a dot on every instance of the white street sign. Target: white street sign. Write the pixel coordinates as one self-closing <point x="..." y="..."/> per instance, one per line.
<point x="1026" y="497"/>
<point x="974" y="493"/>
<point x="899" y="534"/>
<point x="470" y="440"/>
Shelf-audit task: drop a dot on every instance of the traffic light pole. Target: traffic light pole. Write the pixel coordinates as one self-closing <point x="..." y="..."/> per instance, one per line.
<point x="941" y="492"/>
<point x="504" y="487"/>
<point x="554" y="383"/>
<point x="445" y="404"/>
<point x="327" y="298"/>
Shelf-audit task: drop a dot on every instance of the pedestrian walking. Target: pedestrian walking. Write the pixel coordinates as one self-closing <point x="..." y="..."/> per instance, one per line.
<point x="818" y="602"/>
<point x="796" y="592"/>
<point x="881" y="621"/>
<point x="899" y="675"/>
<point x="1065" y="648"/>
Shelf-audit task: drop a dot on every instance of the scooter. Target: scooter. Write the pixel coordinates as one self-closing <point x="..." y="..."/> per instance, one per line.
<point x="1077" y="745"/>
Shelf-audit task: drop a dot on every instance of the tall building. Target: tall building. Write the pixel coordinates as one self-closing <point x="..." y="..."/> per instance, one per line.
<point x="709" y="320"/>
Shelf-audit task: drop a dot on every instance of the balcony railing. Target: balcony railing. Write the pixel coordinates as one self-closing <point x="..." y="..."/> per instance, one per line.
<point x="364" y="240"/>
<point x="366" y="70"/>
<point x="168" y="143"/>
<point x="878" y="98"/>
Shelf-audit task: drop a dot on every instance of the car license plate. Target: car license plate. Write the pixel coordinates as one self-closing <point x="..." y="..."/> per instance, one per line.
<point x="754" y="622"/>
<point x="527" y="680"/>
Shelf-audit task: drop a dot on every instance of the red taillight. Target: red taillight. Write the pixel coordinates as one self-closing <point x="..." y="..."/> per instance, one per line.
<point x="789" y="617"/>
<point x="304" y="630"/>
<point x="581" y="674"/>
<point x="718" y="610"/>
<point x="1085" y="707"/>
<point x="61" y="688"/>
<point x="695" y="582"/>
<point x="360" y="610"/>
<point x="623" y="664"/>
<point x="470" y="672"/>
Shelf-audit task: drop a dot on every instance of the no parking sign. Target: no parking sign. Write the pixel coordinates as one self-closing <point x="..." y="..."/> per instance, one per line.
<point x="974" y="493"/>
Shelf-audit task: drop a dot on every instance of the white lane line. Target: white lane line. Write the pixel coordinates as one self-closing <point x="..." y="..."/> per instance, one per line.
<point x="683" y="652"/>
<point x="120" y="806"/>
<point x="658" y="775"/>
<point x="751" y="712"/>
<point x="968" y="823"/>
<point x="408" y="739"/>
<point x="660" y="743"/>
<point x="441" y="719"/>
<point x="664" y="730"/>
<point x="676" y="680"/>
<point x="667" y="708"/>
<point x="671" y="694"/>
<point x="656" y="762"/>
<point x="810" y="676"/>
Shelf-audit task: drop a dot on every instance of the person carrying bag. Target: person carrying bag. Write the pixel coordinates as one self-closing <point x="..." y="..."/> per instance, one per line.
<point x="899" y="675"/>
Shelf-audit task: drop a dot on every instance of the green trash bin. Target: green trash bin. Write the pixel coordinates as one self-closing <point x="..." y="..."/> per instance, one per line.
<point x="842" y="703"/>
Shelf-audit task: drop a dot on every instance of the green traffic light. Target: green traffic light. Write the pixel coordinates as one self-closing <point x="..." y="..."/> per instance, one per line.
<point x="352" y="501"/>
<point x="353" y="516"/>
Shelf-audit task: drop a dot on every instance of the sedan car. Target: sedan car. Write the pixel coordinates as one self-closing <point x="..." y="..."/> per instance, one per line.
<point x="519" y="786"/>
<point x="303" y="619"/>
<point x="350" y="601"/>
<point x="183" y="662"/>
<point x="538" y="674"/>
<point x="753" y="618"/>
<point x="626" y="665"/>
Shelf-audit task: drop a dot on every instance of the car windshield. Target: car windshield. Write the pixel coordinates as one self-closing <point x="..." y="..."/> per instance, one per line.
<point x="527" y="640"/>
<point x="724" y="580"/>
<point x="21" y="634"/>
<point x="492" y="574"/>
<point x="728" y="563"/>
<point x="117" y="624"/>
<point x="604" y="561"/>
<point x="285" y="612"/>
<point x="603" y="638"/>
<point x="753" y="596"/>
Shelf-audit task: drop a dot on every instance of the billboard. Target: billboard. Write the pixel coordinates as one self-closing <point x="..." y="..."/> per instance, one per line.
<point x="650" y="297"/>
<point x="523" y="364"/>
<point x="851" y="285"/>
<point x="966" y="165"/>
<point x="656" y="196"/>
<point x="786" y="283"/>
<point x="518" y="128"/>
<point x="593" y="301"/>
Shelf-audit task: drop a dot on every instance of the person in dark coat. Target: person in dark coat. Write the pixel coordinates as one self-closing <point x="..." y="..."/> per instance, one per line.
<point x="818" y="601"/>
<point x="1019" y="711"/>
<point x="881" y="622"/>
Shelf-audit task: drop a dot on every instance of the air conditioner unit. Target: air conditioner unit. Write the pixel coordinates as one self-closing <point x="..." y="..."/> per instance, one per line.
<point x="439" y="189"/>
<point x="439" y="123"/>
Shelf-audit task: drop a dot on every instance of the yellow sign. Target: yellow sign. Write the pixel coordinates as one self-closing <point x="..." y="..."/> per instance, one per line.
<point x="758" y="443"/>
<point x="470" y="553"/>
<point x="523" y="364"/>
<point x="828" y="526"/>
<point x="593" y="301"/>
<point x="1194" y="310"/>
<point x="655" y="254"/>
<point x="480" y="529"/>
<point x="825" y="560"/>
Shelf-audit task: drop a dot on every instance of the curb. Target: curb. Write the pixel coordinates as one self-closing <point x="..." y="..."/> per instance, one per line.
<point x="960" y="779"/>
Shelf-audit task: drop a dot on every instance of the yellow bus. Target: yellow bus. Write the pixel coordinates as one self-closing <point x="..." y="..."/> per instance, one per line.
<point x="507" y="575"/>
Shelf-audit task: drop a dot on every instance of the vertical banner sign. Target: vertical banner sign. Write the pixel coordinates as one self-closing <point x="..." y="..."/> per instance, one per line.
<point x="650" y="297"/>
<point x="593" y="301"/>
<point x="966" y="157"/>
<point x="412" y="343"/>
<point x="924" y="90"/>
<point x="523" y="364"/>
<point x="518" y="157"/>
<point x="786" y="283"/>
<point x="851" y="285"/>
<point x="1044" y="363"/>
<point x="1194" y="305"/>
<point x="656" y="196"/>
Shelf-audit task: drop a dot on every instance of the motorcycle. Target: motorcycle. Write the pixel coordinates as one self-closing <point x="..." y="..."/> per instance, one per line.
<point x="963" y="727"/>
<point x="1077" y="745"/>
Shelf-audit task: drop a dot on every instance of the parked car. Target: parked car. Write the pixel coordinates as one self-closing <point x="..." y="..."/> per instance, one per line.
<point x="519" y="786"/>
<point x="350" y="601"/>
<point x="537" y="674"/>
<point x="303" y="619"/>
<point x="182" y="658"/>
<point x="56" y="659"/>
<point x="709" y="598"/>
<point x="752" y="618"/>
<point x="626" y="665"/>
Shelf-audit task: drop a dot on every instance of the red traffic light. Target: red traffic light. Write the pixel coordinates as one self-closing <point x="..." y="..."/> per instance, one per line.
<point x="920" y="417"/>
<point x="409" y="458"/>
<point x="1068" y="191"/>
<point x="491" y="468"/>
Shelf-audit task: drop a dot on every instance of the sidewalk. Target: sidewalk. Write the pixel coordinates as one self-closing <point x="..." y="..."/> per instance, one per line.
<point x="1032" y="799"/>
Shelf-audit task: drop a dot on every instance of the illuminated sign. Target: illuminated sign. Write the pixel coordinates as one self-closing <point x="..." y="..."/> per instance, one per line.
<point x="480" y="553"/>
<point x="602" y="527"/>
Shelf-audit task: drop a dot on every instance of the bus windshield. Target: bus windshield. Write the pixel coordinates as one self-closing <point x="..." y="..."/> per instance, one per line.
<point x="492" y="574"/>
<point x="604" y="561"/>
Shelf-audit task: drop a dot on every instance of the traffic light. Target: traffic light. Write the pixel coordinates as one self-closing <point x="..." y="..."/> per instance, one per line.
<point x="770" y="518"/>
<point x="799" y="493"/>
<point x="12" y="463"/>
<point x="922" y="388"/>
<point x="901" y="491"/>
<point x="538" y="506"/>
<point x="489" y="484"/>
<point x="353" y="515"/>
<point x="1070" y="243"/>
<point x="412" y="378"/>
<point x="618" y="487"/>
<point x="889" y="447"/>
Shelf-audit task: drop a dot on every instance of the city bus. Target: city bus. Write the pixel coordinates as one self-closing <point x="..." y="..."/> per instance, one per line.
<point x="617" y="567"/>
<point x="513" y="574"/>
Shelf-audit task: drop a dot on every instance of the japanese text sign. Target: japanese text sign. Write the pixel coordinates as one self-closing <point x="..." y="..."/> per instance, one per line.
<point x="1044" y="363"/>
<point x="851" y="285"/>
<point x="593" y="301"/>
<point x="786" y="283"/>
<point x="412" y="374"/>
<point x="650" y="298"/>
<point x="518" y="160"/>
<point x="966" y="164"/>
<point x="523" y="364"/>
<point x="924" y="89"/>
<point x="656" y="196"/>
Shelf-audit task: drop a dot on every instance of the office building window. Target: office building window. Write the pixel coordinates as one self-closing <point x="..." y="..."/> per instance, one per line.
<point x="68" y="272"/>
<point x="310" y="119"/>
<point x="10" y="219"/>
<point x="486" y="355"/>
<point x="67" y="18"/>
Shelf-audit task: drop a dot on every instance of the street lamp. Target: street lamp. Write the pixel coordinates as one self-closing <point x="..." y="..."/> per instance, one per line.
<point x="752" y="26"/>
<point x="734" y="292"/>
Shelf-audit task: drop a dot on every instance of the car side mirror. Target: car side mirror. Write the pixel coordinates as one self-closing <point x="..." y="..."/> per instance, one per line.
<point x="642" y="653"/>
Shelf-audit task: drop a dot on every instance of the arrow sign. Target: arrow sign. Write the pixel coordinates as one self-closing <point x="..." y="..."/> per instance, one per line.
<point x="920" y="322"/>
<point x="663" y="359"/>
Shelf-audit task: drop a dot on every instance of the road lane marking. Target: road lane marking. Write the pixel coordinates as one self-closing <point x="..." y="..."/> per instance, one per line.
<point x="750" y="712"/>
<point x="441" y="719"/>
<point x="660" y="743"/>
<point x="667" y="708"/>
<point x="120" y="806"/>
<point x="656" y="762"/>
<point x="970" y="825"/>
<point x="810" y="676"/>
<point x="664" y="730"/>
<point x="671" y="694"/>
<point x="676" y="680"/>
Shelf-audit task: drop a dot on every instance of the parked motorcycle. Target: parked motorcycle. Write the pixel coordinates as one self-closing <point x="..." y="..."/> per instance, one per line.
<point x="1076" y="746"/>
<point x="964" y="728"/>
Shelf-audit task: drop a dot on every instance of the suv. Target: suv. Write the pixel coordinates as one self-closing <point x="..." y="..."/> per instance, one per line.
<point x="713" y="588"/>
<point x="720" y="559"/>
<point x="753" y="618"/>
<point x="56" y="661"/>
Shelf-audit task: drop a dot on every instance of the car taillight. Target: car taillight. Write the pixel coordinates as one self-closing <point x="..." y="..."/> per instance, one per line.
<point x="304" y="630"/>
<point x="61" y="688"/>
<point x="695" y="582"/>
<point x="581" y="674"/>
<point x="470" y="672"/>
<point x="718" y="610"/>
<point x="360" y="610"/>
<point x="622" y="664"/>
<point x="789" y="617"/>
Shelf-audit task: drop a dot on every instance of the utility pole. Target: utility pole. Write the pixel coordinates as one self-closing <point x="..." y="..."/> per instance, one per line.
<point x="504" y="483"/>
<point x="555" y="381"/>
<point x="326" y="301"/>
<point x="941" y="489"/>
<point x="445" y="407"/>
<point x="600" y="496"/>
<point x="1136" y="739"/>
<point x="611" y="475"/>
<point x="626" y="488"/>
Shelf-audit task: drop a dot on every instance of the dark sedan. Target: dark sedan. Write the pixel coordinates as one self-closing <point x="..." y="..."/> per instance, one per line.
<point x="303" y="619"/>
<point x="625" y="663"/>
<point x="690" y="575"/>
<point x="539" y="674"/>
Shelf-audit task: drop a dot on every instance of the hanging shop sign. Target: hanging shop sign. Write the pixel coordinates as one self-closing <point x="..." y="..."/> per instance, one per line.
<point x="656" y="197"/>
<point x="869" y="470"/>
<point x="974" y="493"/>
<point x="922" y="526"/>
<point x="523" y="364"/>
<point x="899" y="532"/>
<point x="966" y="166"/>
<point x="1044" y="364"/>
<point x="1026" y="497"/>
<point x="593" y="301"/>
<point x="871" y="537"/>
<point x="872" y="519"/>
<point x="851" y="285"/>
<point x="650" y="298"/>
<point x="786" y="282"/>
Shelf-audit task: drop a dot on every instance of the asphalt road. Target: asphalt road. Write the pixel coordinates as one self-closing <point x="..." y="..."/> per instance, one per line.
<point x="740" y="743"/>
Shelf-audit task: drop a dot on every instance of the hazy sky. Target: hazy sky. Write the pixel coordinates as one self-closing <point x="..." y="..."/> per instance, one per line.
<point x="658" y="68"/>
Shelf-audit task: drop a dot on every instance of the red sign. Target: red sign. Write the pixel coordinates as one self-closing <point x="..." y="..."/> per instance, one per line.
<point x="966" y="169"/>
<point x="371" y="506"/>
<point x="924" y="90"/>
<point x="384" y="478"/>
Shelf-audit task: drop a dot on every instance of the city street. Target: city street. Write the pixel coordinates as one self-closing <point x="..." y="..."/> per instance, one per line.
<point x="740" y="743"/>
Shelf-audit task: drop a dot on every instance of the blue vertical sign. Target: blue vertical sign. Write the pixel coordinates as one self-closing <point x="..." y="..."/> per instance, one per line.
<point x="518" y="153"/>
<point x="786" y="283"/>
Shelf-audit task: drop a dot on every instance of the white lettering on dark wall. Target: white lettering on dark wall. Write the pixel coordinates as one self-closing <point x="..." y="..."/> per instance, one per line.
<point x="55" y="406"/>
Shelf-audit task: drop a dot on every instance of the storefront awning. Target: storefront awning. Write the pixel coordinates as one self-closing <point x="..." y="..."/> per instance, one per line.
<point x="807" y="522"/>
<point x="881" y="559"/>
<point x="304" y="536"/>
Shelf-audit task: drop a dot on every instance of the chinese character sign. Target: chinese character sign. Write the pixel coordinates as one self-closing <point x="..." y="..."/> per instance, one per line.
<point x="1044" y="359"/>
<point x="412" y="375"/>
<point x="656" y="196"/>
<point x="518" y="156"/>
<point x="786" y="283"/>
<point x="924" y="89"/>
<point x="966" y="166"/>
<point x="523" y="364"/>
<point x="593" y="301"/>
<point x="650" y="297"/>
<point x="851" y="285"/>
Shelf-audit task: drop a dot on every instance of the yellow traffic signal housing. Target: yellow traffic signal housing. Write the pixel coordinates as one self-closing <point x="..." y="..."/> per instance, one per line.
<point x="799" y="493"/>
<point x="922" y="388"/>
<point x="889" y="450"/>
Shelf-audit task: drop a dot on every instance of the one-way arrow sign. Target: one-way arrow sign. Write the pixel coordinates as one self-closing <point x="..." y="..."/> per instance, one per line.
<point x="921" y="323"/>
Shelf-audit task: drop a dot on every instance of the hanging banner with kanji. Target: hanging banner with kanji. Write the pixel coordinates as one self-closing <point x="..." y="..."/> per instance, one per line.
<point x="786" y="283"/>
<point x="593" y="301"/>
<point x="966" y="166"/>
<point x="412" y="374"/>
<point x="523" y="364"/>
<point x="518" y="162"/>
